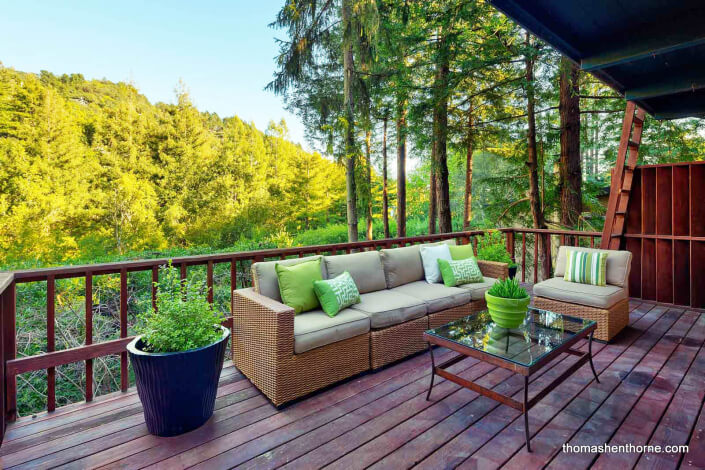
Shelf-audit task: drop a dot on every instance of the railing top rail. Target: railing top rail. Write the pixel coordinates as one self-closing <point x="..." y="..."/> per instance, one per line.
<point x="63" y="272"/>
<point x="555" y="231"/>
<point x="5" y="280"/>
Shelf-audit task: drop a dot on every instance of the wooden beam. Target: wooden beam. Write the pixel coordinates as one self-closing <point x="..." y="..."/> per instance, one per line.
<point x="656" y="44"/>
<point x="65" y="356"/>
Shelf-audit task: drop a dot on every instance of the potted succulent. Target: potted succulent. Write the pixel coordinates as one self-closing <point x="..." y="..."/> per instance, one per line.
<point x="507" y="303"/>
<point x="178" y="356"/>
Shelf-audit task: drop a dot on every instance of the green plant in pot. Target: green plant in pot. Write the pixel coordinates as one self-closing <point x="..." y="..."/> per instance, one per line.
<point x="507" y="303"/>
<point x="491" y="248"/>
<point x="178" y="356"/>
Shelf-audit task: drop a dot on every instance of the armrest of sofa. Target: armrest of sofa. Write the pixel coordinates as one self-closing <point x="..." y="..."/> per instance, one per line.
<point x="493" y="269"/>
<point x="263" y="330"/>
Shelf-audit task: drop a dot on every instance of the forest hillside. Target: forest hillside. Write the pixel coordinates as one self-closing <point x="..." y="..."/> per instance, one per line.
<point x="91" y="168"/>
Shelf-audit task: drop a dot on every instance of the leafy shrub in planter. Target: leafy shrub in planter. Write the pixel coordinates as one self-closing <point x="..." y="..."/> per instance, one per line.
<point x="183" y="319"/>
<point x="491" y="248"/>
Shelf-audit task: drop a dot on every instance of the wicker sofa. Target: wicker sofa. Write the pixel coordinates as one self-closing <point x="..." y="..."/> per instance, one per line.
<point x="608" y="305"/>
<point x="288" y="356"/>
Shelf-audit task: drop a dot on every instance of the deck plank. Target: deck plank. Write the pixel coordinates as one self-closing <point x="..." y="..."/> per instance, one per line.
<point x="652" y="391"/>
<point x="503" y="429"/>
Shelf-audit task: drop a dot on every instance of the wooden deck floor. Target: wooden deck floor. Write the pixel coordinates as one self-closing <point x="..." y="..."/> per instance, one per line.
<point x="652" y="391"/>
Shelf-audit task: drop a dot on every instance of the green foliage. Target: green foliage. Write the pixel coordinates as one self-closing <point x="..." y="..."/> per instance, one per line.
<point x="183" y="320"/>
<point x="491" y="247"/>
<point x="508" y="289"/>
<point x="92" y="168"/>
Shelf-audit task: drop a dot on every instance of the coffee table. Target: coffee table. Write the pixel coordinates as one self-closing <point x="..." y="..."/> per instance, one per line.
<point x="524" y="350"/>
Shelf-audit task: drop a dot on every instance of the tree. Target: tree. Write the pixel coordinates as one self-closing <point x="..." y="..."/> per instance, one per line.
<point x="570" y="185"/>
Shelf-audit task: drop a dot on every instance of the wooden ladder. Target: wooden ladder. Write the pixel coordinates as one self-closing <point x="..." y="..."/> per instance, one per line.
<point x="623" y="176"/>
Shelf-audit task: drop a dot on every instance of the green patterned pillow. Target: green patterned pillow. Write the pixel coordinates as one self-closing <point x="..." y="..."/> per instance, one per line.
<point x="586" y="267"/>
<point x="337" y="293"/>
<point x="459" y="272"/>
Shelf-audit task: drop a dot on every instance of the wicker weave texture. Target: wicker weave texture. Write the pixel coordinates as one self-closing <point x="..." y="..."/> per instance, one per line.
<point x="263" y="350"/>
<point x="493" y="269"/>
<point x="396" y="342"/>
<point x="609" y="322"/>
<point x="456" y="313"/>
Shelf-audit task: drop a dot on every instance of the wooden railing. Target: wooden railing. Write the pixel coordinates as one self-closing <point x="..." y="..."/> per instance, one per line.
<point x="548" y="238"/>
<point x="239" y="263"/>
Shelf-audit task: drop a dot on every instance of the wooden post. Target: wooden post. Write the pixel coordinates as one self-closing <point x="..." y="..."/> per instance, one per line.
<point x="510" y="244"/>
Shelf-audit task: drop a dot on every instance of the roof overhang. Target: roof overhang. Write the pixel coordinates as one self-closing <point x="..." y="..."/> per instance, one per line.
<point x="650" y="51"/>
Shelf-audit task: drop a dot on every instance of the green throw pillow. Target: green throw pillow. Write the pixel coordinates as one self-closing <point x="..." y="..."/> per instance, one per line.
<point x="337" y="293"/>
<point x="459" y="272"/>
<point x="296" y="284"/>
<point x="458" y="252"/>
<point x="586" y="267"/>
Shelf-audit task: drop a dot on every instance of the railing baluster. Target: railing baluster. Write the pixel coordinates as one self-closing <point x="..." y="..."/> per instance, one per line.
<point x="536" y="258"/>
<point x="523" y="256"/>
<point x="51" y="346"/>
<point x="510" y="244"/>
<point x="10" y="349"/>
<point x="474" y="245"/>
<point x="209" y="282"/>
<point x="155" y="280"/>
<point x="182" y="268"/>
<point x="89" y="334"/>
<point x="124" y="379"/>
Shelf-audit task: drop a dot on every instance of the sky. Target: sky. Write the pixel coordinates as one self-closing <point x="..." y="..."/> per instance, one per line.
<point x="223" y="51"/>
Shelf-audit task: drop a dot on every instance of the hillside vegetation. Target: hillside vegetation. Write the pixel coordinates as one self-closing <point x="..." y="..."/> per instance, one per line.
<point x="91" y="168"/>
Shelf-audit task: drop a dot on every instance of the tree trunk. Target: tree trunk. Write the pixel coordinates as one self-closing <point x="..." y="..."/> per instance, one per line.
<point x="368" y="179"/>
<point x="432" y="198"/>
<point x="532" y="155"/>
<point x="440" y="137"/>
<point x="569" y="163"/>
<point x="467" y="214"/>
<point x="350" y="153"/>
<point x="385" y="196"/>
<point x="401" y="169"/>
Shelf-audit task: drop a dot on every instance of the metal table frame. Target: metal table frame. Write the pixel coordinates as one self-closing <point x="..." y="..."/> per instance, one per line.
<point x="525" y="405"/>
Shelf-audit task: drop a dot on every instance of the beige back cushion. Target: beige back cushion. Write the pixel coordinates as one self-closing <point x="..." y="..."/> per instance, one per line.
<point x="265" y="276"/>
<point x="403" y="265"/>
<point x="365" y="269"/>
<point x="618" y="264"/>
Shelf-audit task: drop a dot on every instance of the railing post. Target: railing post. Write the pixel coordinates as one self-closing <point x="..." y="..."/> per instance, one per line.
<point x="510" y="244"/>
<point x="547" y="262"/>
<point x="9" y="351"/>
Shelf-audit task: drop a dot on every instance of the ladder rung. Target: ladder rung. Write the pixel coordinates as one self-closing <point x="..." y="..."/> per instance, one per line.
<point x="622" y="213"/>
<point x="638" y="121"/>
<point x="634" y="144"/>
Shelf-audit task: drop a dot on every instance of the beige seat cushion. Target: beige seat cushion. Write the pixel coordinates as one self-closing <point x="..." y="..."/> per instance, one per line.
<point x="583" y="294"/>
<point x="403" y="265"/>
<point x="264" y="275"/>
<point x="315" y="329"/>
<point x="436" y="296"/>
<point x="386" y="308"/>
<point x="478" y="289"/>
<point x="618" y="264"/>
<point x="365" y="269"/>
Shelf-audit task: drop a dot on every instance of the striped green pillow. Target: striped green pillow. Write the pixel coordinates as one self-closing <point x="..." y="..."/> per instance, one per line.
<point x="586" y="268"/>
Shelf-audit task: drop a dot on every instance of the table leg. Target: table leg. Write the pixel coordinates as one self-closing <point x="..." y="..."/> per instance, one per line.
<point x="526" y="412"/>
<point x="433" y="372"/>
<point x="590" y="355"/>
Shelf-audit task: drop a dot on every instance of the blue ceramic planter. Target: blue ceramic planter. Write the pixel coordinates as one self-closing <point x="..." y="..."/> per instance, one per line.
<point x="177" y="389"/>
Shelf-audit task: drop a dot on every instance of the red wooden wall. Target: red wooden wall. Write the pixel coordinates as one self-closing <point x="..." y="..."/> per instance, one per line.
<point x="665" y="232"/>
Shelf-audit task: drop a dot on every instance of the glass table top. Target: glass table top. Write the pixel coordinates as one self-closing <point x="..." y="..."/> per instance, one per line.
<point x="541" y="333"/>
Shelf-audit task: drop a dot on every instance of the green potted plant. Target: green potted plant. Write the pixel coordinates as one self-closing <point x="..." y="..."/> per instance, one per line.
<point x="507" y="303"/>
<point x="491" y="248"/>
<point x="178" y="356"/>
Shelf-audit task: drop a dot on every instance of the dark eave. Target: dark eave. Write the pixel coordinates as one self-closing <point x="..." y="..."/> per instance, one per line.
<point x="650" y="51"/>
